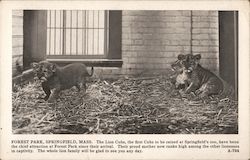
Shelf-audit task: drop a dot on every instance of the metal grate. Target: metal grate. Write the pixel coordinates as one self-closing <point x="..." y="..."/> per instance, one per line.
<point x="75" y="32"/>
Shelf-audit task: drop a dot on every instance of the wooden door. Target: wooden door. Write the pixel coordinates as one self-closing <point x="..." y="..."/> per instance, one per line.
<point x="34" y="29"/>
<point x="228" y="47"/>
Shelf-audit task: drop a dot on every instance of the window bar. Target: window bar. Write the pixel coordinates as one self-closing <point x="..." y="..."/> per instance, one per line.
<point x="60" y="25"/>
<point x="191" y="32"/>
<point x="61" y="30"/>
<point x="55" y="33"/>
<point x="82" y="32"/>
<point x="49" y="31"/>
<point x="85" y="35"/>
<point x="98" y="32"/>
<point x="107" y="29"/>
<point x="77" y="32"/>
<point x="105" y="32"/>
<point x="64" y="33"/>
<point x="93" y="39"/>
<point x="85" y="24"/>
<point x="87" y="32"/>
<point x="70" y="32"/>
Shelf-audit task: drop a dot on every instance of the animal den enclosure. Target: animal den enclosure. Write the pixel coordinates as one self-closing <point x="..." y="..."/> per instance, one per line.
<point x="132" y="89"/>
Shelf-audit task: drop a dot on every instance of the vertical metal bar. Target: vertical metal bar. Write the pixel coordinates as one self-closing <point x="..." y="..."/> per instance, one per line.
<point x="64" y="33"/>
<point x="60" y="25"/>
<point x="61" y="30"/>
<point x="49" y="32"/>
<point x="77" y="32"/>
<point x="82" y="32"/>
<point x="98" y="26"/>
<point x="191" y="32"/>
<point x="55" y="34"/>
<point x="70" y="32"/>
<point x="108" y="30"/>
<point x="105" y="32"/>
<point x="87" y="33"/>
<point x="93" y="39"/>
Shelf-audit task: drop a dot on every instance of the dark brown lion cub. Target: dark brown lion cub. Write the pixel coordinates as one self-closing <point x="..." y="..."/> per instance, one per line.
<point x="202" y="81"/>
<point x="60" y="78"/>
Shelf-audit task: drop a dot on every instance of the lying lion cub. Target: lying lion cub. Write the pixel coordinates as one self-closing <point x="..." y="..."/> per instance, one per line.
<point x="198" y="79"/>
<point x="60" y="78"/>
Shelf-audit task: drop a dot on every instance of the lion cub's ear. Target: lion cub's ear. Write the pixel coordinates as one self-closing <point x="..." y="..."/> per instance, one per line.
<point x="197" y="57"/>
<point x="34" y="65"/>
<point x="181" y="57"/>
<point x="53" y="67"/>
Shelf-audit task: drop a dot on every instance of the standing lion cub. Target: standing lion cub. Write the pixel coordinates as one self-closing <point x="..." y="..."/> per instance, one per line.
<point x="60" y="78"/>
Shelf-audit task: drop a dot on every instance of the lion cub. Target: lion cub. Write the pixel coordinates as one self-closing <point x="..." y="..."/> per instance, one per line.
<point x="202" y="81"/>
<point x="181" y="78"/>
<point x="60" y="78"/>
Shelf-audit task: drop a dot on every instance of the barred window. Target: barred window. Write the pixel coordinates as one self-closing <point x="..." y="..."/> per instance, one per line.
<point x="75" y="33"/>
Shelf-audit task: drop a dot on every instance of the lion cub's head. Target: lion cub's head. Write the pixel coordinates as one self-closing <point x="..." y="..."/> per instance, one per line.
<point x="43" y="70"/>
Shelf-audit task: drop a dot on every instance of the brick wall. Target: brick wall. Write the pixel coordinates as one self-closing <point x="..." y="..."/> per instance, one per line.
<point x="17" y="39"/>
<point x="205" y="38"/>
<point x="151" y="40"/>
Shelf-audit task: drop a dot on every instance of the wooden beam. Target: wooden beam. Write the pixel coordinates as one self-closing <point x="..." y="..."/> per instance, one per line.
<point x="89" y="62"/>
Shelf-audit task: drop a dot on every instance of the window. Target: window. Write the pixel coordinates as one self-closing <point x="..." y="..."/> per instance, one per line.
<point x="75" y="33"/>
<point x="67" y="36"/>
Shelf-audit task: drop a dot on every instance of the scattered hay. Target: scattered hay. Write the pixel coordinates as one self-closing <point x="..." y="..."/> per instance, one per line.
<point x="125" y="106"/>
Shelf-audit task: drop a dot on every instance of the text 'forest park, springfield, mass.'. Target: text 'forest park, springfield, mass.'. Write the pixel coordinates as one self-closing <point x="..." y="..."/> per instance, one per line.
<point x="121" y="143"/>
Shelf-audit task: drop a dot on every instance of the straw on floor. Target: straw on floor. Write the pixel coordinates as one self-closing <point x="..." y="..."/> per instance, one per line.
<point x="139" y="105"/>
